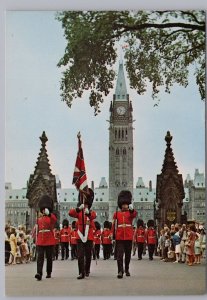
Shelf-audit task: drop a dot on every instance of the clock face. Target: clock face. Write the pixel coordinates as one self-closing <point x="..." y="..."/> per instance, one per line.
<point x="121" y="110"/>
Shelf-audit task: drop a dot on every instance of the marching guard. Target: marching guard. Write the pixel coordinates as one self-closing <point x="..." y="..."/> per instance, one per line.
<point x="122" y="223"/>
<point x="106" y="237"/>
<point x="45" y="239"/>
<point x="73" y="240"/>
<point x="65" y="239"/>
<point x="140" y="237"/>
<point x="57" y="242"/>
<point x="85" y="222"/>
<point x="97" y="240"/>
<point x="151" y="238"/>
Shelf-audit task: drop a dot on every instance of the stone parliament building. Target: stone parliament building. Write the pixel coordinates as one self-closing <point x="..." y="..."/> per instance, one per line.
<point x="173" y="199"/>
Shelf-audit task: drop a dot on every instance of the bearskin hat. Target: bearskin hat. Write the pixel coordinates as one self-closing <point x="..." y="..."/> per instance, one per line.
<point x="73" y="224"/>
<point x="150" y="223"/>
<point x="106" y="224"/>
<point x="124" y="197"/>
<point x="45" y="202"/>
<point x="65" y="222"/>
<point x="110" y="225"/>
<point x="88" y="198"/>
<point x="97" y="225"/>
<point x="140" y="222"/>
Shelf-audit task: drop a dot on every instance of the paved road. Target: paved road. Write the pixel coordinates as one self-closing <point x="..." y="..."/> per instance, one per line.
<point x="147" y="278"/>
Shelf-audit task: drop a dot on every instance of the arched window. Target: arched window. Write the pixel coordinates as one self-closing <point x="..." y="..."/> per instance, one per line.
<point x="119" y="133"/>
<point x="124" y="151"/>
<point x="117" y="151"/>
<point x="122" y="134"/>
<point x="115" y="134"/>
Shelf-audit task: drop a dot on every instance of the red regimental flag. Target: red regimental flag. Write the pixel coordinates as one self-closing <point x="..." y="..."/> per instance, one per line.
<point x="79" y="175"/>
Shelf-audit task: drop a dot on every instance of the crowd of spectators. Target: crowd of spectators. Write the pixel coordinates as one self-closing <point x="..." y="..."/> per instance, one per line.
<point x="19" y="245"/>
<point x="182" y="244"/>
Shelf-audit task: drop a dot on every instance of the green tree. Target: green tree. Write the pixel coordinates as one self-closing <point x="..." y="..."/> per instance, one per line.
<point x="161" y="47"/>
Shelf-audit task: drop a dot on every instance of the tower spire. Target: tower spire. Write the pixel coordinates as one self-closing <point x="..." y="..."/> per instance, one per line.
<point x="121" y="90"/>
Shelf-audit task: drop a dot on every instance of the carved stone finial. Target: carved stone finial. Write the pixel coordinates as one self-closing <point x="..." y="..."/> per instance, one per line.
<point x="168" y="137"/>
<point x="79" y="135"/>
<point x="43" y="138"/>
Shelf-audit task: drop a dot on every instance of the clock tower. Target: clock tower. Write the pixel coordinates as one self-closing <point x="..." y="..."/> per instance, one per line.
<point x="120" y="143"/>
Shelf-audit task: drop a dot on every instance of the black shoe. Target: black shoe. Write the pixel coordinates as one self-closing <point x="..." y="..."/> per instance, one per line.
<point x="127" y="273"/>
<point x="38" y="276"/>
<point x="62" y="258"/>
<point x="81" y="276"/>
<point x="139" y="258"/>
<point x="87" y="274"/>
<point x="48" y="276"/>
<point x="120" y="275"/>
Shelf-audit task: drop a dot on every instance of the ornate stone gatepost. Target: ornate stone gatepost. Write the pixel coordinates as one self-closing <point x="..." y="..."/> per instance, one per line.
<point x="169" y="190"/>
<point x="41" y="182"/>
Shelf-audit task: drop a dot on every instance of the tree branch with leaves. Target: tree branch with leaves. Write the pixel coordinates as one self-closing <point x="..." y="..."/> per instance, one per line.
<point x="162" y="47"/>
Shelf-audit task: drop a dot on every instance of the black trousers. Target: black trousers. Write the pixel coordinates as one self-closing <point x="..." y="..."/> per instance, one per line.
<point x="123" y="248"/>
<point x="84" y="251"/>
<point x="73" y="251"/>
<point x="96" y="251"/>
<point x="140" y="247"/>
<point x="151" y="249"/>
<point x="56" y="251"/>
<point x="41" y="252"/>
<point x="106" y="251"/>
<point x="65" y="250"/>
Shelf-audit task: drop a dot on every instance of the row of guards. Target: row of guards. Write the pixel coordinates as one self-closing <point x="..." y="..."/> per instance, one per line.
<point x="68" y="235"/>
<point x="121" y="230"/>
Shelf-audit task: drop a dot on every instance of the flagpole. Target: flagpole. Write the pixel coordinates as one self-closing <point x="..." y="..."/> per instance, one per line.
<point x="80" y="178"/>
<point x="81" y="194"/>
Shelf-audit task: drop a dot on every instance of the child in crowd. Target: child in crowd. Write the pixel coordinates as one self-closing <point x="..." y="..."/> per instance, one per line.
<point x="191" y="244"/>
<point x="197" y="249"/>
<point x="166" y="247"/>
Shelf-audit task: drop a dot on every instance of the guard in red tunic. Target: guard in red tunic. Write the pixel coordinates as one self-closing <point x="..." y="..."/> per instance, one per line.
<point x="57" y="242"/>
<point x="139" y="237"/>
<point x="106" y="238"/>
<point x="45" y="239"/>
<point x="85" y="217"/>
<point x="124" y="231"/>
<point x="65" y="239"/>
<point x="151" y="237"/>
<point x="97" y="240"/>
<point x="73" y="240"/>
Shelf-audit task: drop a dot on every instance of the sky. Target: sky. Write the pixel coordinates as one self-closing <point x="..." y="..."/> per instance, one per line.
<point x="34" y="45"/>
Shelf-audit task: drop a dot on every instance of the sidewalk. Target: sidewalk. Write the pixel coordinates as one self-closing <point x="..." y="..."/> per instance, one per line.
<point x="147" y="278"/>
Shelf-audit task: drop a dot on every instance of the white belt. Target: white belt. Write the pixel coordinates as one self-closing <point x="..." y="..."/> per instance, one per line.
<point x="64" y="234"/>
<point x="125" y="225"/>
<point x="44" y="230"/>
<point x="73" y="237"/>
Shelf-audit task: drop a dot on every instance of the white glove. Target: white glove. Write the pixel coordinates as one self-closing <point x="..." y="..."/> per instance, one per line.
<point x="81" y="206"/>
<point x="131" y="207"/>
<point x="47" y="212"/>
<point x="86" y="211"/>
